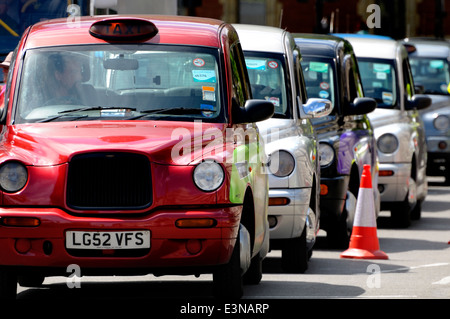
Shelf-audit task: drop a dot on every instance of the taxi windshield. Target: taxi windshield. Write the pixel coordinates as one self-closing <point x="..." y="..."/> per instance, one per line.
<point x="319" y="78"/>
<point x="379" y="81"/>
<point x="120" y="82"/>
<point x="267" y="79"/>
<point x="431" y="73"/>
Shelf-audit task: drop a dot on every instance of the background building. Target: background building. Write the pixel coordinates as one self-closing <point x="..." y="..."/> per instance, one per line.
<point x="398" y="18"/>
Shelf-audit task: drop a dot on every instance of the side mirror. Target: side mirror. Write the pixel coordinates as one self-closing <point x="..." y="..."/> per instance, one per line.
<point x="419" y="89"/>
<point x="253" y="111"/>
<point x="418" y="102"/>
<point x="315" y="107"/>
<point x="361" y="105"/>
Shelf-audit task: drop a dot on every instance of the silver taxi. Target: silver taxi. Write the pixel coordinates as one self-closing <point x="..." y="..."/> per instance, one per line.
<point x="430" y="64"/>
<point x="273" y="64"/>
<point x="400" y="134"/>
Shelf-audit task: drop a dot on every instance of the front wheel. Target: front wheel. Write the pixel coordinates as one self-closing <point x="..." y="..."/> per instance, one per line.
<point x="227" y="279"/>
<point x="8" y="284"/>
<point x="254" y="273"/>
<point x="294" y="254"/>
<point x="401" y="212"/>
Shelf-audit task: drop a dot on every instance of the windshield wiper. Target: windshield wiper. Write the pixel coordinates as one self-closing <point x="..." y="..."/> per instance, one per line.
<point x="175" y="110"/>
<point x="96" y="108"/>
<point x="49" y="119"/>
<point x="81" y="109"/>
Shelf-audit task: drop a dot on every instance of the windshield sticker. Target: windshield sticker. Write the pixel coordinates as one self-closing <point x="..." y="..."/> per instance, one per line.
<point x="318" y="67"/>
<point x="209" y="93"/>
<point x="272" y="64"/>
<point x="381" y="67"/>
<point x="274" y="100"/>
<point x="115" y="112"/>
<point x="204" y="76"/>
<point x="207" y="110"/>
<point x="254" y="64"/>
<point x="387" y="97"/>
<point x="199" y="62"/>
<point x="381" y="76"/>
<point x="377" y="84"/>
<point x="324" y="94"/>
<point x="437" y="64"/>
<point x="324" y="86"/>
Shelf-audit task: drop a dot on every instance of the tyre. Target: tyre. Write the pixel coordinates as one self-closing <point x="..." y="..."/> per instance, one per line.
<point x="253" y="275"/>
<point x="8" y="284"/>
<point x="416" y="212"/>
<point x="294" y="254"/>
<point x="31" y="280"/>
<point x="227" y="279"/>
<point x="338" y="235"/>
<point x="401" y="212"/>
<point x="447" y="176"/>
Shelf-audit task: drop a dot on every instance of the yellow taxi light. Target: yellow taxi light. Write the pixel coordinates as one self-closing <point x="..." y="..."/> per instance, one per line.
<point x="123" y="29"/>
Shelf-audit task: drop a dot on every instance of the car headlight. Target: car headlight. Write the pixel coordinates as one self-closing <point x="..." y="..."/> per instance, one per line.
<point x="441" y="123"/>
<point x="13" y="176"/>
<point x="208" y="176"/>
<point x="281" y="163"/>
<point x="387" y="143"/>
<point x="326" y="154"/>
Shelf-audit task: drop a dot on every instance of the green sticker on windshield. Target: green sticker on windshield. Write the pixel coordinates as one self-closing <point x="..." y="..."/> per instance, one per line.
<point x="381" y="67"/>
<point x="318" y="67"/>
<point x="437" y="64"/>
<point x="254" y="64"/>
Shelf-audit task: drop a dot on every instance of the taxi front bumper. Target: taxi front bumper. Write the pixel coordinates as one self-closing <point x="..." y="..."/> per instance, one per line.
<point x="290" y="219"/>
<point x="395" y="186"/>
<point x="170" y="246"/>
<point x="438" y="155"/>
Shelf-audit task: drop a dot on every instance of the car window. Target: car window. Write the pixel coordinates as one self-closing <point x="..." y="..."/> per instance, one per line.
<point x="432" y="73"/>
<point x="268" y="80"/>
<point x="379" y="81"/>
<point x="319" y="78"/>
<point x="120" y="82"/>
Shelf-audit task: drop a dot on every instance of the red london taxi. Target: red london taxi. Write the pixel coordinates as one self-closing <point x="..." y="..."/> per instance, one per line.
<point x="129" y="143"/>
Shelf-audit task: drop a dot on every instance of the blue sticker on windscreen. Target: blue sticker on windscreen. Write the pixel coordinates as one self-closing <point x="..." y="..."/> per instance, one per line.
<point x="204" y="76"/>
<point x="207" y="110"/>
<point x="253" y="64"/>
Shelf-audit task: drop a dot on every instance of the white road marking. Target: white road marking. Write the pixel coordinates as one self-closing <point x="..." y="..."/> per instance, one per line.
<point x="416" y="267"/>
<point x="443" y="281"/>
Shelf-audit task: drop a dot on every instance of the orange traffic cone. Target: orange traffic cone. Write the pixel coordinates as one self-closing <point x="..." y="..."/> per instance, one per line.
<point x="364" y="241"/>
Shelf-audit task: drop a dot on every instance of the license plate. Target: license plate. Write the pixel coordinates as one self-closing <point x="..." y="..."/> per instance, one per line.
<point x="108" y="239"/>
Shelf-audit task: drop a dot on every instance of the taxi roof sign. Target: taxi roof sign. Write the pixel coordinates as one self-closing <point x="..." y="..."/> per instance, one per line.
<point x="123" y="29"/>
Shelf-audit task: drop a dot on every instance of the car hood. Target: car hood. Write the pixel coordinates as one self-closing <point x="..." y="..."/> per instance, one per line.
<point x="439" y="103"/>
<point x="381" y="117"/>
<point x="55" y="143"/>
<point x="273" y="128"/>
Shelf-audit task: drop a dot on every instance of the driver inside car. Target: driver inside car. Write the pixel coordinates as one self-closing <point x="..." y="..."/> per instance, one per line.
<point x="65" y="76"/>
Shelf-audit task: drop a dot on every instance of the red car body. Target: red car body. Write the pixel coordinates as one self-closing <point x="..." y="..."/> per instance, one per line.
<point x="191" y="230"/>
